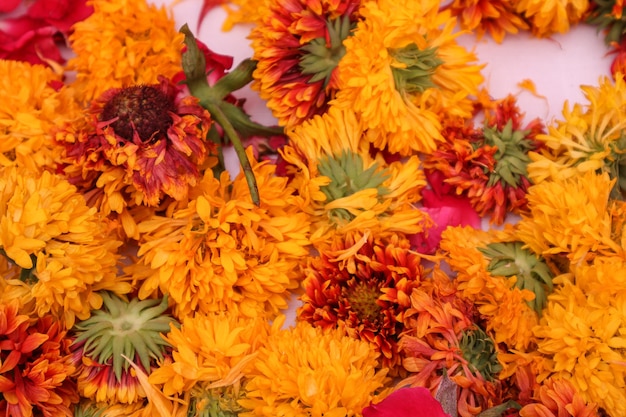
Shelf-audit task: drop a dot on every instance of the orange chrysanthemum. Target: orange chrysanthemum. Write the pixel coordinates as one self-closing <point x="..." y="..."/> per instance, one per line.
<point x="488" y="16"/>
<point x="297" y="45"/>
<point x="549" y="17"/>
<point x="558" y="397"/>
<point x="221" y="252"/>
<point x="362" y="283"/>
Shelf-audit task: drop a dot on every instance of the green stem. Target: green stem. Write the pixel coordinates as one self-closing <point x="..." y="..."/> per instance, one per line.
<point x="231" y="133"/>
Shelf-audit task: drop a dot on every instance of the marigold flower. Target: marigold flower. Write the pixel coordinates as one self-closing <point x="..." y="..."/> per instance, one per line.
<point x="402" y="71"/>
<point x="344" y="187"/>
<point x="504" y="299"/>
<point x="573" y="218"/>
<point x="221" y="252"/>
<point x="120" y="332"/>
<point x="580" y="340"/>
<point x="441" y="338"/>
<point x="497" y="18"/>
<point x="35" y="370"/>
<point x="488" y="165"/>
<point x="297" y="45"/>
<point x="362" y="283"/>
<point x="147" y="144"/>
<point x="588" y="138"/>
<point x="210" y="351"/>
<point x="549" y="17"/>
<point x="125" y="42"/>
<point x="64" y="248"/>
<point x="558" y="397"/>
<point x="32" y="109"/>
<point x="334" y="375"/>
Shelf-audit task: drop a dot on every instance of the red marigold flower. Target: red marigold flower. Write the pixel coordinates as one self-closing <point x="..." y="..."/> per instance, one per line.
<point x="407" y="402"/>
<point x="488" y="165"/>
<point x="440" y="337"/>
<point x="35" y="366"/>
<point x="297" y="46"/>
<point x="146" y="140"/>
<point x="363" y="283"/>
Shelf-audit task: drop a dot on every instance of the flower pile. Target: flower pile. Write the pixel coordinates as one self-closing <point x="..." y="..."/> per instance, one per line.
<point x="140" y="277"/>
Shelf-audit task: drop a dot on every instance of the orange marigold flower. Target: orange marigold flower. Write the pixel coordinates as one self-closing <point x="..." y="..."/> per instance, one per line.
<point x="488" y="16"/>
<point x="549" y="17"/>
<point x="297" y="45"/>
<point x="35" y="366"/>
<point x="558" y="397"/>
<point x="221" y="252"/>
<point x="362" y="283"/>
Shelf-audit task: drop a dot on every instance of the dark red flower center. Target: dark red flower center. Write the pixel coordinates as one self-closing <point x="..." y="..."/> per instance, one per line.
<point x="143" y="109"/>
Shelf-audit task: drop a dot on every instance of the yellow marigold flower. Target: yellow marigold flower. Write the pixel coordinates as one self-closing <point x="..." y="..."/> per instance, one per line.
<point x="488" y="16"/>
<point x="582" y="340"/>
<point x="62" y="246"/>
<point x="554" y="16"/>
<point x="571" y="218"/>
<point x="403" y="70"/>
<point x="344" y="188"/>
<point x="507" y="297"/>
<point x="31" y="110"/>
<point x="589" y="138"/>
<point x="213" y="350"/>
<point x="321" y="373"/>
<point x="124" y="42"/>
<point x="222" y="252"/>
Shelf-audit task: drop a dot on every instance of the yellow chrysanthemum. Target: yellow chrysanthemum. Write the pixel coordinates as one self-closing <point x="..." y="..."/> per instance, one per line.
<point x="501" y="298"/>
<point x="215" y="350"/>
<point x="572" y="218"/>
<point x="344" y="188"/>
<point x="222" y="252"/>
<point x="581" y="334"/>
<point x="31" y="110"/>
<point x="124" y="42"/>
<point x="307" y="371"/>
<point x="62" y="246"/>
<point x="403" y="70"/>
<point x="589" y="138"/>
<point x="553" y="16"/>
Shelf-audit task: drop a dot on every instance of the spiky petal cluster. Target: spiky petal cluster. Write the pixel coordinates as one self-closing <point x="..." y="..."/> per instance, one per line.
<point x="121" y="332"/>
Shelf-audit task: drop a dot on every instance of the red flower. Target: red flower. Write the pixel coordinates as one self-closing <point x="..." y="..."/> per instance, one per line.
<point x="37" y="35"/>
<point x="407" y="402"/>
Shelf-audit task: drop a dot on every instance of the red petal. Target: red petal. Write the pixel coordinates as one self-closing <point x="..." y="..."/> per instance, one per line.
<point x="9" y="5"/>
<point x="407" y="402"/>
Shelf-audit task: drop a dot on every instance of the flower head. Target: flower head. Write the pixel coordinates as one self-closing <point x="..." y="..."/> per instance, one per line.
<point x="363" y="284"/>
<point x="344" y="187"/>
<point x="298" y="44"/>
<point x="64" y="248"/>
<point x="121" y="332"/>
<point x="548" y="18"/>
<point x="35" y="366"/>
<point x="497" y="18"/>
<point x="334" y="375"/>
<point x="402" y="70"/>
<point x="554" y="398"/>
<point x="221" y="252"/>
<point x="123" y="43"/>
<point x="146" y="144"/>
<point x="32" y="110"/>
